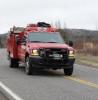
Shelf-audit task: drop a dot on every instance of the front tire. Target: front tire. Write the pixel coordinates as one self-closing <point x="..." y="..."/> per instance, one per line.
<point x="68" y="71"/>
<point x="28" y="68"/>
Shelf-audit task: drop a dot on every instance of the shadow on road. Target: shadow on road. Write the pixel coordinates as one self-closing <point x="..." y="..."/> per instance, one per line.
<point x="44" y="72"/>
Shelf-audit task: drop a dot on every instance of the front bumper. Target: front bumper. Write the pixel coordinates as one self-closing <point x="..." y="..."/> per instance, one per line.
<point x="40" y="62"/>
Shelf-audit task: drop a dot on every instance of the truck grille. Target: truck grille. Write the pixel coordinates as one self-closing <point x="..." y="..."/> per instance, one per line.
<point x="54" y="53"/>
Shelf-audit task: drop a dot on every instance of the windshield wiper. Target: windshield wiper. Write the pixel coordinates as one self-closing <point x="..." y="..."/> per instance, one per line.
<point x="52" y="42"/>
<point x="37" y="41"/>
<point x="44" y="42"/>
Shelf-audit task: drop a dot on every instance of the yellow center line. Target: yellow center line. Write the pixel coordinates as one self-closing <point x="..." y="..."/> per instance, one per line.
<point x="85" y="82"/>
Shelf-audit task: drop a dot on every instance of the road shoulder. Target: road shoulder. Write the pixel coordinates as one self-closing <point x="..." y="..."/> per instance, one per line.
<point x="88" y="60"/>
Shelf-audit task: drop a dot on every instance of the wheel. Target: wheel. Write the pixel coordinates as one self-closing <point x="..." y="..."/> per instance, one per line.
<point x="68" y="71"/>
<point x="28" y="68"/>
<point x="8" y="56"/>
<point x="13" y="63"/>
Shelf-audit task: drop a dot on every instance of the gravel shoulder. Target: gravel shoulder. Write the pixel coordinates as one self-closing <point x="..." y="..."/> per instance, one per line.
<point x="91" y="61"/>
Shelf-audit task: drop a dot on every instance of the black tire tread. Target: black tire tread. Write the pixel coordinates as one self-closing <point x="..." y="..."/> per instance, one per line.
<point x="68" y="71"/>
<point x="30" y="72"/>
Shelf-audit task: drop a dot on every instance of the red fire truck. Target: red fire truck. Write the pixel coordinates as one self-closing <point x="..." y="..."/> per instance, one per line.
<point x="39" y="46"/>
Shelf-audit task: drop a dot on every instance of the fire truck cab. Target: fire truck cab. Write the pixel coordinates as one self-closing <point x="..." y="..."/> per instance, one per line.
<point x="39" y="46"/>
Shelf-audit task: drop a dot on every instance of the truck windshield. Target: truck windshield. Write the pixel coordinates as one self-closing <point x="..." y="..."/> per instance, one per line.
<point x="46" y="37"/>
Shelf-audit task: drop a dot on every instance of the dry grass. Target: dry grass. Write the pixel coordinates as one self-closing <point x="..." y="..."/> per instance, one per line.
<point x="89" y="60"/>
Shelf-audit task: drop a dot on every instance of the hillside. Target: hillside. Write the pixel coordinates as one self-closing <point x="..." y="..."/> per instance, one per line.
<point x="3" y="40"/>
<point x="74" y="34"/>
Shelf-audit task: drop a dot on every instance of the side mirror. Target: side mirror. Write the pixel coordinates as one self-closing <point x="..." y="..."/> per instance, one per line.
<point x="70" y="43"/>
<point x="18" y="41"/>
<point x="23" y="42"/>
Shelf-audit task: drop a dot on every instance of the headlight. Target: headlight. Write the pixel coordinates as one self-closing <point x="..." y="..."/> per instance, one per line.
<point x="71" y="53"/>
<point x="35" y="53"/>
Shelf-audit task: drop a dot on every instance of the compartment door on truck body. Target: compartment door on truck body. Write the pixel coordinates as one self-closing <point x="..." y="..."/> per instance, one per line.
<point x="22" y="50"/>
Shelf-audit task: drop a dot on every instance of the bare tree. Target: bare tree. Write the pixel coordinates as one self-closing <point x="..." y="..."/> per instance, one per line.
<point x="58" y="24"/>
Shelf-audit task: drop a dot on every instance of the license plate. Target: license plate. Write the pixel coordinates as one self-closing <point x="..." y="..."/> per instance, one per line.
<point x="57" y="56"/>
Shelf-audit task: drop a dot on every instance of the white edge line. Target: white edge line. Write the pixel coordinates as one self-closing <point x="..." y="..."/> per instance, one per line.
<point x="9" y="93"/>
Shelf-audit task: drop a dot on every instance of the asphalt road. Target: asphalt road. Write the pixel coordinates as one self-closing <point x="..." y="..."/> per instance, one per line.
<point x="2" y="97"/>
<point x="50" y="85"/>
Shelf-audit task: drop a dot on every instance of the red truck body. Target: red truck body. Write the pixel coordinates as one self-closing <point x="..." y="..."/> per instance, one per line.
<point x="39" y="46"/>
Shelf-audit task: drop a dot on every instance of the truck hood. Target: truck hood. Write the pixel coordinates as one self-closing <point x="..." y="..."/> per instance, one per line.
<point x="48" y="45"/>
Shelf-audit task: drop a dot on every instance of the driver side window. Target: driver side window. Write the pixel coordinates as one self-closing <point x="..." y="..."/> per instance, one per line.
<point x="23" y="41"/>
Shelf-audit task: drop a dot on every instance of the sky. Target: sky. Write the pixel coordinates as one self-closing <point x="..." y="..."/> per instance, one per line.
<point x="81" y="14"/>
